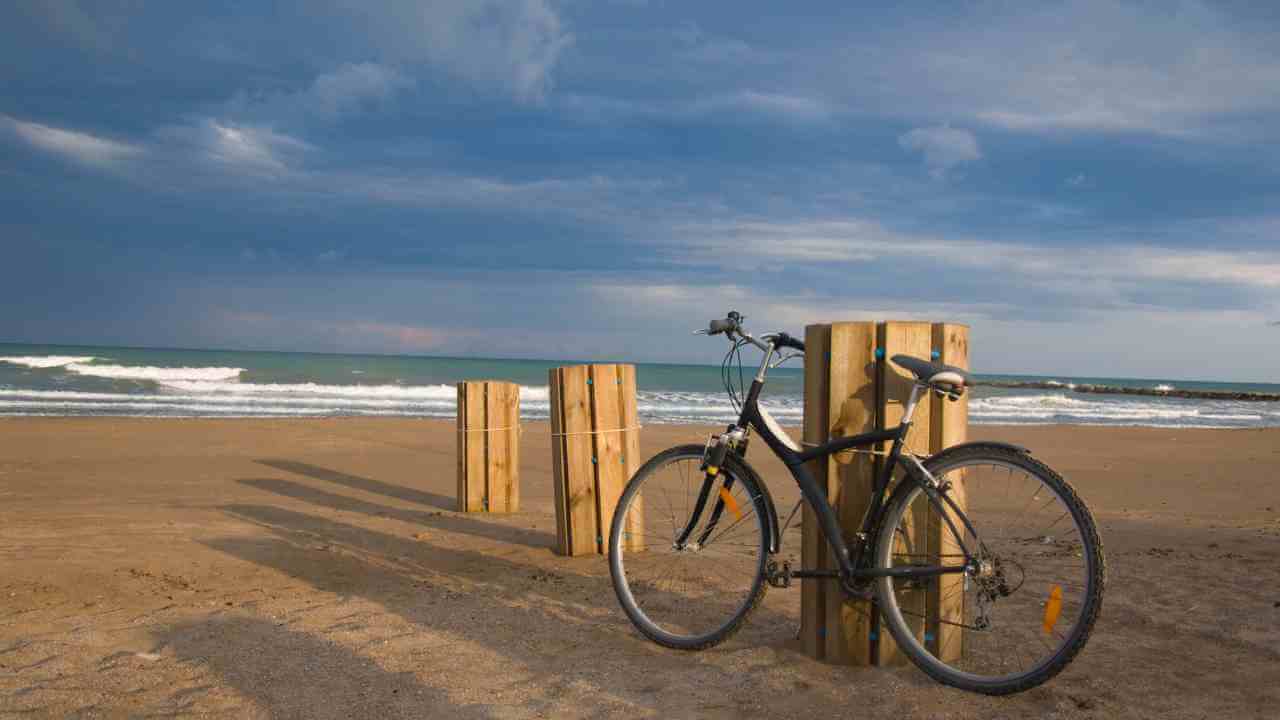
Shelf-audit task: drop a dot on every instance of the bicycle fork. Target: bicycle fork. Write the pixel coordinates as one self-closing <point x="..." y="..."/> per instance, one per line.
<point x="711" y="466"/>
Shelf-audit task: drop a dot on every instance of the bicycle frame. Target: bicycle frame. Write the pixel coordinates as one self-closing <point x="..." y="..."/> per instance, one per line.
<point x="850" y="566"/>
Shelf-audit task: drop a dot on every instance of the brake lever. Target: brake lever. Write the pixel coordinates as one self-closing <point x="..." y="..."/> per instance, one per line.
<point x="785" y="358"/>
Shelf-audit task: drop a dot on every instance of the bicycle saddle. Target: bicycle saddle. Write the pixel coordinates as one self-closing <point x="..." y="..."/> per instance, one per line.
<point x="943" y="377"/>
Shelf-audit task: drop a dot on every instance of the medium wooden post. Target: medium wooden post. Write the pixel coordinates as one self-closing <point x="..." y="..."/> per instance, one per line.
<point x="851" y="388"/>
<point x="595" y="448"/>
<point x="488" y="446"/>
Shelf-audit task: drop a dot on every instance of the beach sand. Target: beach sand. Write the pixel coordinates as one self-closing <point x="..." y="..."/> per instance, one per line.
<point x="314" y="568"/>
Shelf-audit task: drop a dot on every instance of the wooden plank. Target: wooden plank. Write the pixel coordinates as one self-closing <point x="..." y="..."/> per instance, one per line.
<point x="472" y="498"/>
<point x="462" y="439"/>
<point x="914" y="339"/>
<point x="852" y="407"/>
<point x="580" y="487"/>
<point x="495" y="457"/>
<point x="513" y="447"/>
<point x="500" y="399"/>
<point x="555" y="381"/>
<point x="813" y="547"/>
<point x="631" y="452"/>
<point x="606" y="417"/>
<point x="949" y="425"/>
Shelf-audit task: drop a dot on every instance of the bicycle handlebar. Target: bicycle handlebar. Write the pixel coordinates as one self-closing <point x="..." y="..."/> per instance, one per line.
<point x="784" y="340"/>
<point x="732" y="324"/>
<point x="720" y="326"/>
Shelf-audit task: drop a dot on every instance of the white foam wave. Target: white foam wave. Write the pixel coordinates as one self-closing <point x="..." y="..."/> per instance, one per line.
<point x="407" y="392"/>
<point x="306" y="399"/>
<point x="1060" y="408"/>
<point x="46" y="361"/>
<point x="113" y="399"/>
<point x="1056" y="401"/>
<point x="158" y="374"/>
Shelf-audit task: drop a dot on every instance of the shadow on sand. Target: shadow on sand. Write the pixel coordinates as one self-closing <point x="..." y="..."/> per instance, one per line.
<point x="297" y="674"/>
<point x="551" y="623"/>
<point x="434" y="519"/>
<point x="376" y="487"/>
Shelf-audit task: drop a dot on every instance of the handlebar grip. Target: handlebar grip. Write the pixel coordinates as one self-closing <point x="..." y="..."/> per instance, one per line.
<point x="719" y="326"/>
<point x="785" y="340"/>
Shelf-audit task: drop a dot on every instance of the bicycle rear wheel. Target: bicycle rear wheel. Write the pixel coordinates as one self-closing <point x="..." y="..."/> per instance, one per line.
<point x="1026" y="609"/>
<point x="691" y="590"/>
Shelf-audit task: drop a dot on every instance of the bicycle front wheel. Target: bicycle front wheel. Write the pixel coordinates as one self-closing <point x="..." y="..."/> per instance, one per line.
<point x="688" y="573"/>
<point x="1028" y="602"/>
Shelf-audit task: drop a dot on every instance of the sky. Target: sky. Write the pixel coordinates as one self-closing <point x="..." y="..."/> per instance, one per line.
<point x="1093" y="187"/>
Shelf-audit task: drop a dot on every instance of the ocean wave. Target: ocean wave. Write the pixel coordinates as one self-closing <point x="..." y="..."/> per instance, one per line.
<point x="157" y="374"/>
<point x="406" y="392"/>
<point x="247" y="400"/>
<point x="46" y="361"/>
<point x="1064" y="409"/>
<point x="305" y="399"/>
<point x="1056" y="401"/>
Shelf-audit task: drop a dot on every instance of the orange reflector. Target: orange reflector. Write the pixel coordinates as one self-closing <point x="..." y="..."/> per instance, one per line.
<point x="1052" y="609"/>
<point x="730" y="503"/>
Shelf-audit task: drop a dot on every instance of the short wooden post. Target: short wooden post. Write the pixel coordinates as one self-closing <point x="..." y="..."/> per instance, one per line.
<point x="851" y="388"/>
<point x="595" y="449"/>
<point x="488" y="446"/>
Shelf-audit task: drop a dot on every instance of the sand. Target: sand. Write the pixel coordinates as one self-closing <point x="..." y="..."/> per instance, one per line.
<point x="314" y="568"/>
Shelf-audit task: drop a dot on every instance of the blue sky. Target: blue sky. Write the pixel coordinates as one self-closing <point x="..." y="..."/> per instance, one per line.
<point x="1094" y="187"/>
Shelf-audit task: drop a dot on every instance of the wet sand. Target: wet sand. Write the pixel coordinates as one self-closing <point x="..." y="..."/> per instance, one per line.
<point x="315" y="568"/>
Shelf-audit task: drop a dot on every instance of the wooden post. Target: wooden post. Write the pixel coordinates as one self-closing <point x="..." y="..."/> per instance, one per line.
<point x="488" y="446"/>
<point x="851" y="388"/>
<point x="595" y="449"/>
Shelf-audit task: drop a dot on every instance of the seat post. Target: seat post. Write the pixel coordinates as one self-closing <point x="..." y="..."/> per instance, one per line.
<point x="917" y="388"/>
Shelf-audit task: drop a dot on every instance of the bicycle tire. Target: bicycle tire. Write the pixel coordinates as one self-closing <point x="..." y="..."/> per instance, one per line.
<point x="1091" y="553"/>
<point x="742" y="474"/>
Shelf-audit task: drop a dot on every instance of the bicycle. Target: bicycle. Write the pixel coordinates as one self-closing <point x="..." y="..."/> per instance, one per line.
<point x="1020" y="601"/>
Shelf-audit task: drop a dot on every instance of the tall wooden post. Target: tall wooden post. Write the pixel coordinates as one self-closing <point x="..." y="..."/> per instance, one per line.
<point x="851" y="388"/>
<point x="488" y="446"/>
<point x="595" y="449"/>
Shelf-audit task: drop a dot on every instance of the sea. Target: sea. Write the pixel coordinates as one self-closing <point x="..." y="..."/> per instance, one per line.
<point x="62" y="380"/>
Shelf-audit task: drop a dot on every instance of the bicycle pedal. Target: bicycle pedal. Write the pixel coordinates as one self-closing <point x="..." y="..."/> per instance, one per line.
<point x="778" y="576"/>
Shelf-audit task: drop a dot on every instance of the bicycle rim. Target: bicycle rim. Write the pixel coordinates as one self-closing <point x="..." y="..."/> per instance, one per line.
<point x="695" y="594"/>
<point x="1029" y="605"/>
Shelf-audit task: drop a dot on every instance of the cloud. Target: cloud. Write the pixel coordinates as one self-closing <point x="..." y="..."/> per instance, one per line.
<point x="240" y="149"/>
<point x="510" y="46"/>
<point x="352" y="85"/>
<point x="347" y="90"/>
<point x="262" y="328"/>
<point x="943" y="147"/>
<point x="779" y="105"/>
<point x="1062" y="67"/>
<point x="77" y="146"/>
<point x="757" y="244"/>
<point x="720" y="107"/>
